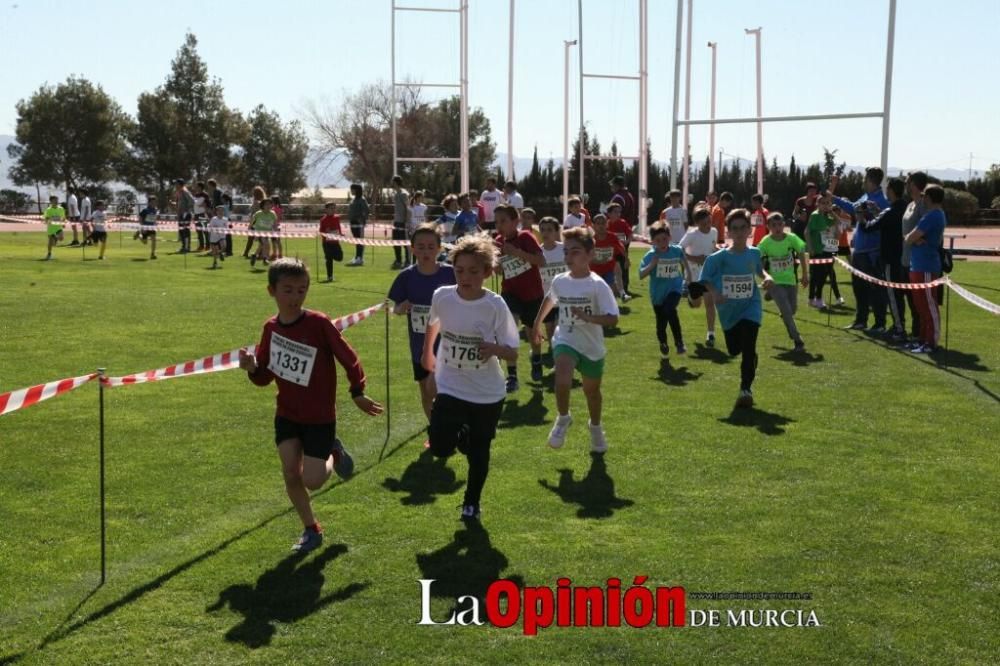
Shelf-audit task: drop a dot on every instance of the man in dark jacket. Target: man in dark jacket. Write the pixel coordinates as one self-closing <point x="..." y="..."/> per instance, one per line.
<point x="889" y="224"/>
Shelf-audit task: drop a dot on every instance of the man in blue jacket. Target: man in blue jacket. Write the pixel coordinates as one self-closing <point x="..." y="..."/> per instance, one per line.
<point x="865" y="246"/>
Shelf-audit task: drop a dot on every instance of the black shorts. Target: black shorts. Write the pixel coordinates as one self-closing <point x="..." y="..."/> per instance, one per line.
<point x="463" y="425"/>
<point x="317" y="438"/>
<point x="526" y="311"/>
<point x="333" y="251"/>
<point x="98" y="236"/>
<point x="148" y="234"/>
<point x="420" y="373"/>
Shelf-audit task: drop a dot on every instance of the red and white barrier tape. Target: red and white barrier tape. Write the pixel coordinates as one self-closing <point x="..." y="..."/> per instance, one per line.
<point x="891" y="285"/>
<point x="26" y="397"/>
<point x="229" y="360"/>
<point x="978" y="301"/>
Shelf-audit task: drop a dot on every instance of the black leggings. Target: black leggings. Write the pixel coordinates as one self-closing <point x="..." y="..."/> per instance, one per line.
<point x="742" y="339"/>
<point x="818" y="275"/>
<point x="399" y="233"/>
<point x="666" y="313"/>
<point x="358" y="231"/>
<point x="621" y="262"/>
<point x="469" y="427"/>
<point x="332" y="252"/>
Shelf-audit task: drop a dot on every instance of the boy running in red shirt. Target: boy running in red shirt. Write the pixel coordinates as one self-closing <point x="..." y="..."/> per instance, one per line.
<point x="607" y="250"/>
<point x="520" y="258"/>
<point x="623" y="230"/>
<point x="297" y="349"/>
<point x="332" y="251"/>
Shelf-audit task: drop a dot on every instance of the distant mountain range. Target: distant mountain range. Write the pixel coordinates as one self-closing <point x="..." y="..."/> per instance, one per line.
<point x="325" y="174"/>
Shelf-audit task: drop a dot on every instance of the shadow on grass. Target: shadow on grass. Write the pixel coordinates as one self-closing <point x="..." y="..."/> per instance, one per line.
<point x="530" y="413"/>
<point x="766" y="422"/>
<point x="798" y="358"/>
<point x="139" y="259"/>
<point x="594" y="493"/>
<point x="615" y="332"/>
<point x="287" y="593"/>
<point x="465" y="567"/>
<point x="713" y="354"/>
<point x="424" y="479"/>
<point x="952" y="358"/>
<point x="679" y="376"/>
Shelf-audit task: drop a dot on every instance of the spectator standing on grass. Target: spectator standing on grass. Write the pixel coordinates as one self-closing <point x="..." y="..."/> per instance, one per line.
<point x="86" y="216"/>
<point x="889" y="225"/>
<point x="277" y="248"/>
<point x="400" y="221"/>
<point x="915" y="210"/>
<point x="185" y="210"/>
<point x="73" y="212"/>
<point x="865" y="249"/>
<point x="357" y="216"/>
<point x="925" y="266"/>
<point x="202" y="206"/>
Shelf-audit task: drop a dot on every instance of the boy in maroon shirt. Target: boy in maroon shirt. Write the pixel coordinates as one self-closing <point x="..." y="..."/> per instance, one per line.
<point x="520" y="258"/>
<point x="607" y="252"/>
<point x="297" y="349"/>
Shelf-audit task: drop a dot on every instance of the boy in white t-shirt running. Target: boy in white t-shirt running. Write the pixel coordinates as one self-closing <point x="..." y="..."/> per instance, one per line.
<point x="217" y="228"/>
<point x="575" y="217"/>
<point x="586" y="305"/>
<point x="555" y="264"/>
<point x="476" y="330"/>
<point x="699" y="243"/>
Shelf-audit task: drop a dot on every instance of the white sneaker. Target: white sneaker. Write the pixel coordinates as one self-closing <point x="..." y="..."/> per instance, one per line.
<point x="598" y="443"/>
<point x="557" y="436"/>
<point x="840" y="300"/>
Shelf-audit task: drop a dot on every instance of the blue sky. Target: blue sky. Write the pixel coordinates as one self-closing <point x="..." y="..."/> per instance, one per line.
<point x="817" y="58"/>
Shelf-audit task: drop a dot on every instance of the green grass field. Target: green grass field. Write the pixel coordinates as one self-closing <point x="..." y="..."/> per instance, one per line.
<point x="865" y="476"/>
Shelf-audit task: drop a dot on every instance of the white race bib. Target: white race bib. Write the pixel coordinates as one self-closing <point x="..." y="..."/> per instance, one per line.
<point x="668" y="268"/>
<point x="756" y="219"/>
<point x="419" y="314"/>
<point x="622" y="236"/>
<point x="460" y="351"/>
<point x="603" y="255"/>
<point x="513" y="266"/>
<point x="550" y="271"/>
<point x="784" y="264"/>
<point x="291" y="360"/>
<point x="567" y="320"/>
<point x="737" y="287"/>
<point x="830" y="241"/>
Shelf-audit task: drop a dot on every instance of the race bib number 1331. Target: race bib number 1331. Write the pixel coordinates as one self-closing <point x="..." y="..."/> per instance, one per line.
<point x="291" y="360"/>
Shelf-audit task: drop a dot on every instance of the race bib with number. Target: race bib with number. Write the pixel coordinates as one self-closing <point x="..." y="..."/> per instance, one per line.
<point x="460" y="351"/>
<point x="291" y="360"/>
<point x="513" y="266"/>
<point x="419" y="314"/>
<point x="785" y="263"/>
<point x="830" y="241"/>
<point x="668" y="268"/>
<point x="603" y="255"/>
<point x="550" y="271"/>
<point x="756" y="220"/>
<point x="567" y="320"/>
<point x="737" y="287"/>
<point x="622" y="236"/>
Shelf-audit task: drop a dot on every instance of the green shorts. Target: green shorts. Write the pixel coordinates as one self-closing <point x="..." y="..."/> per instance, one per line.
<point x="588" y="367"/>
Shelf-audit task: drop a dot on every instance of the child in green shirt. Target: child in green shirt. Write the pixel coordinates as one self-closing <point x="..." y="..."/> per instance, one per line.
<point x="780" y="249"/>
<point x="54" y="217"/>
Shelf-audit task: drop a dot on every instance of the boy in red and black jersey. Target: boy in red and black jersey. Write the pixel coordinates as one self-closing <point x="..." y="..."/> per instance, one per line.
<point x="297" y="350"/>
<point x="607" y="252"/>
<point x="520" y="258"/>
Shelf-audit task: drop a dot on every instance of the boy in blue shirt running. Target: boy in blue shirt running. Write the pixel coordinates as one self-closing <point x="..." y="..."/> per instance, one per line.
<point x="729" y="275"/>
<point x="666" y="268"/>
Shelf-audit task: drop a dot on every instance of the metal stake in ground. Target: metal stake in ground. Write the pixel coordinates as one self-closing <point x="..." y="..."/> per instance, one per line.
<point x="100" y="398"/>
<point x="388" y="403"/>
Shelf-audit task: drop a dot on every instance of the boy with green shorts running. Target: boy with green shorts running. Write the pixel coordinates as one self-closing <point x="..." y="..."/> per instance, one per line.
<point x="586" y="305"/>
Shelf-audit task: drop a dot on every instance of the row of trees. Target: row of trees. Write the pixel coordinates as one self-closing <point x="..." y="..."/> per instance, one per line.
<point x="74" y="135"/>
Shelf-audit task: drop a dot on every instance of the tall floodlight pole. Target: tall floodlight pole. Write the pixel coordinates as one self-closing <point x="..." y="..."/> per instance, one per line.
<point x="888" y="86"/>
<point x="686" y="169"/>
<point x="643" y="114"/>
<point x="677" y="93"/>
<point x="464" y="93"/>
<point x="579" y="52"/>
<point x="510" y="95"/>
<point x="565" y="197"/>
<point x="760" y="114"/>
<point x="711" y="128"/>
